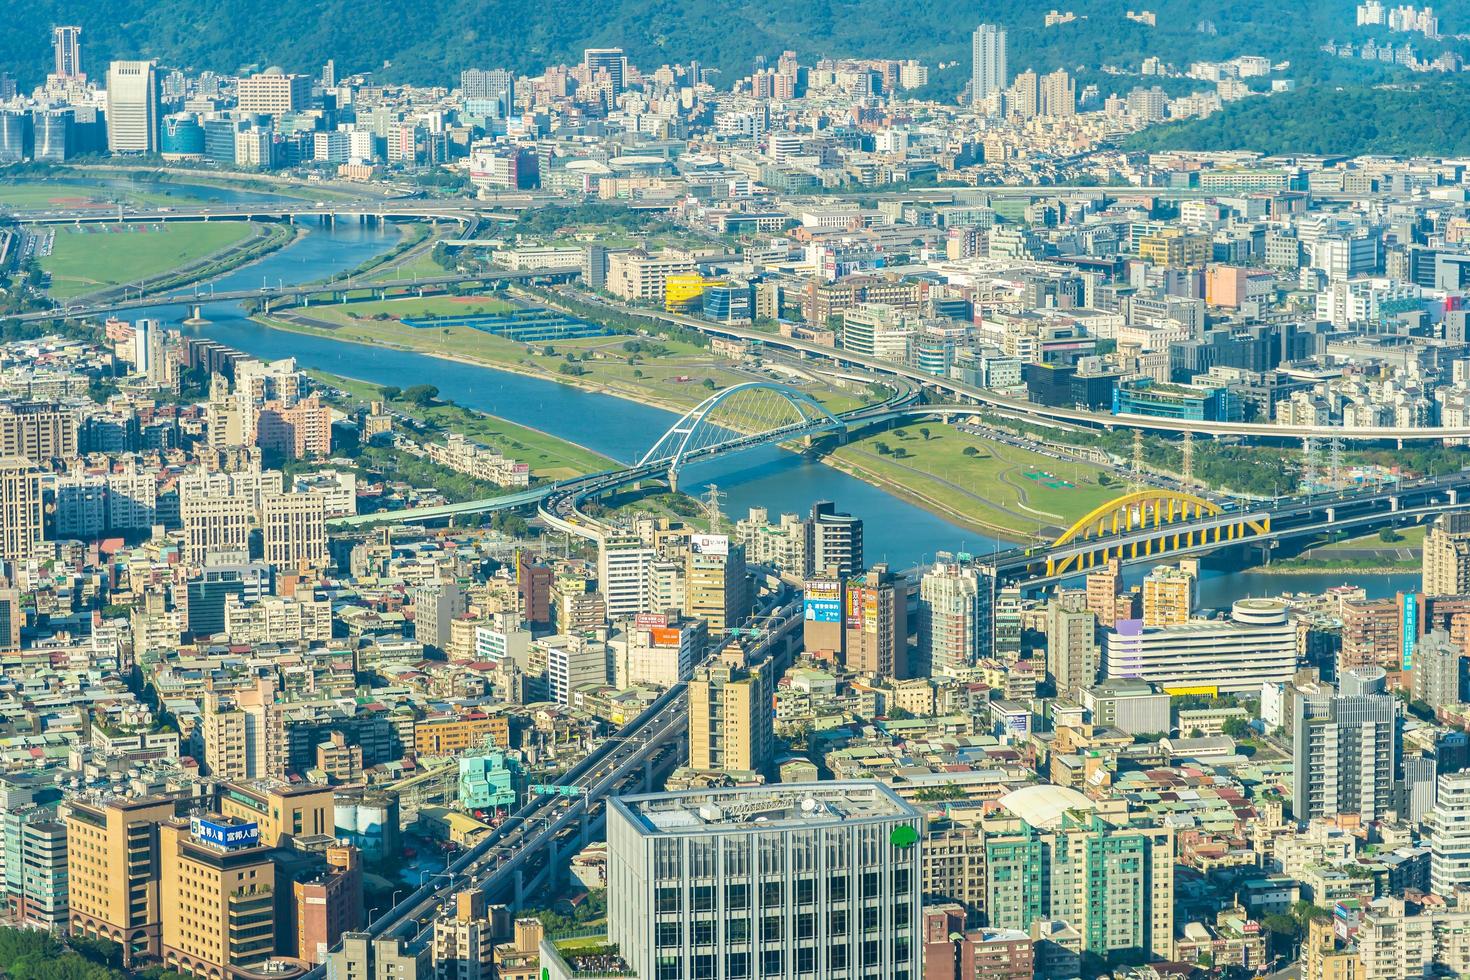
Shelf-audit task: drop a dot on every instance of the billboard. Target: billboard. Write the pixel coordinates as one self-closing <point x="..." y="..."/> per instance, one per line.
<point x="817" y="610"/>
<point x="709" y="544"/>
<point x="226" y="835"/>
<point x="664" y="636"/>
<point x="648" y="621"/>
<point x="1410" y="620"/>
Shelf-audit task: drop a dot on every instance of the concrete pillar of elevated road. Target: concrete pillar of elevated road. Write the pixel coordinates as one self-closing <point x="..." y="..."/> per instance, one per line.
<point x="520" y="888"/>
<point x="647" y="773"/>
<point x="1332" y="515"/>
<point x="1393" y="502"/>
<point x="1454" y="498"/>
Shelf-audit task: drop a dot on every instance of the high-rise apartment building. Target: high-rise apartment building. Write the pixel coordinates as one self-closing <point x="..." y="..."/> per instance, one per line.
<point x="716" y="588"/>
<point x="294" y="528"/>
<point x="1168" y="596"/>
<point x="38" y="430"/>
<point x="624" y="566"/>
<point x="782" y="881"/>
<point x="464" y="940"/>
<point x="214" y="526"/>
<point x="875" y="625"/>
<point x="133" y="96"/>
<point x="66" y="44"/>
<point x="1439" y="675"/>
<point x="988" y="68"/>
<point x="1446" y="560"/>
<point x="1058" y="94"/>
<point x="1345" y="749"/>
<point x="954" y="619"/>
<point x="328" y="902"/>
<point x="729" y="709"/>
<point x="20" y="509"/>
<point x="37" y="892"/>
<point x="243" y="732"/>
<point x="1071" y="646"/>
<point x="834" y="542"/>
<point x="1058" y="860"/>
<point x="1448" y="826"/>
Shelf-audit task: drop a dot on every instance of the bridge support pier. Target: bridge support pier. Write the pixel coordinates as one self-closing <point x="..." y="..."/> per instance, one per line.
<point x="1393" y="502"/>
<point x="1454" y="499"/>
<point x="647" y="773"/>
<point x="196" y="314"/>
<point x="1332" y="515"/>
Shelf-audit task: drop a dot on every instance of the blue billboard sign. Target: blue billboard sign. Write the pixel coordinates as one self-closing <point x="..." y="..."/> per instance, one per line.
<point x="226" y="835"/>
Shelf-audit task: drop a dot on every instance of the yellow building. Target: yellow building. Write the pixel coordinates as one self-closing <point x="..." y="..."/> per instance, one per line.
<point x="1323" y="958"/>
<point x="447" y="736"/>
<point x="683" y="293"/>
<point x="112" y="857"/>
<point x="1174" y="247"/>
<point x="280" y="809"/>
<point x="217" y="887"/>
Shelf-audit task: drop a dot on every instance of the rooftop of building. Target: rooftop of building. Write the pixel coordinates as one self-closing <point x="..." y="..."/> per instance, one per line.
<point x="772" y="807"/>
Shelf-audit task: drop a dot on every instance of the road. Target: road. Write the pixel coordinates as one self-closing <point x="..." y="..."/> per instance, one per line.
<point x="968" y="397"/>
<point x="531" y="834"/>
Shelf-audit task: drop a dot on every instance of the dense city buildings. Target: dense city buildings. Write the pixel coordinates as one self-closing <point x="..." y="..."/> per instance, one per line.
<point x="1094" y="599"/>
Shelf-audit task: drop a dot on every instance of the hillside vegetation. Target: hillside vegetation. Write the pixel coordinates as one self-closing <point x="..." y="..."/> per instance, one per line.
<point x="430" y="42"/>
<point x="1426" y="118"/>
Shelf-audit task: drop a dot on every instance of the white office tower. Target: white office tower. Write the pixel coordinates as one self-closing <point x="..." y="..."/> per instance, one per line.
<point x="988" y="72"/>
<point x="1448" y="825"/>
<point x="624" y="572"/>
<point x="132" y="107"/>
<point x="779" y="882"/>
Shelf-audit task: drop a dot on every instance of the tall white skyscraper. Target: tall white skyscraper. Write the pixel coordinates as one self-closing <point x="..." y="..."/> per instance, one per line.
<point x="66" y="43"/>
<point x="988" y="74"/>
<point x="132" y="107"/>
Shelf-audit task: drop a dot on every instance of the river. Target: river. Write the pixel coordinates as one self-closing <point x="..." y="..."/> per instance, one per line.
<point x="896" y="531"/>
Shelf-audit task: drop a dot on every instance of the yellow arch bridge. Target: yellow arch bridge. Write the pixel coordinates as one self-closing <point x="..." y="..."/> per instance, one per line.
<point x="1149" y="522"/>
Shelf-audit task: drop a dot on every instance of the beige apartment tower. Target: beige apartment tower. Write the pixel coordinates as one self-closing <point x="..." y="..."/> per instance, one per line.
<point x="294" y="527"/>
<point x="730" y="718"/>
<point x="20" y="509"/>
<point x="1447" y="556"/>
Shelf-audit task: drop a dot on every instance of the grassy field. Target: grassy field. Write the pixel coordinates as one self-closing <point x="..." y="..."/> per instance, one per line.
<point x="26" y="195"/>
<point x="653" y="378"/>
<point x="1411" y="537"/>
<point x="88" y="258"/>
<point x="997" y="487"/>
<point x="352" y="314"/>
<point x="550" y="458"/>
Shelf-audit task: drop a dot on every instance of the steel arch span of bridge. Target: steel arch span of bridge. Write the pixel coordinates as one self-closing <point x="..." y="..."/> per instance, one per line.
<point x="749" y="413"/>
<point x="1138" y="524"/>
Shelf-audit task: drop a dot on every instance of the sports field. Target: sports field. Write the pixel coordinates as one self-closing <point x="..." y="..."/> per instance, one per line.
<point x="87" y="258"/>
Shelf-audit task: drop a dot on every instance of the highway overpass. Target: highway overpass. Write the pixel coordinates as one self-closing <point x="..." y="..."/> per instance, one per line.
<point x="335" y="290"/>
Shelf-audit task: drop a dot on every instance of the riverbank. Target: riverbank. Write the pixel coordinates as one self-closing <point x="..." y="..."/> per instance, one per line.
<point x="93" y="261"/>
<point x="550" y="457"/>
<point x="980" y="485"/>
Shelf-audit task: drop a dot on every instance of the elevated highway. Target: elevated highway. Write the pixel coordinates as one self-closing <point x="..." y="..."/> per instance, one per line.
<point x="956" y="397"/>
<point x="334" y="290"/>
<point x="525" y="851"/>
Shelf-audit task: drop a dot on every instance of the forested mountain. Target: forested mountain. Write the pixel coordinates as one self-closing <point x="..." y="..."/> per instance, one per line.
<point x="1429" y="117"/>
<point x="429" y="41"/>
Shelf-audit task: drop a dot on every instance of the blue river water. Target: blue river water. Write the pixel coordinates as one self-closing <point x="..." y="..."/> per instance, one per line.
<point x="896" y="531"/>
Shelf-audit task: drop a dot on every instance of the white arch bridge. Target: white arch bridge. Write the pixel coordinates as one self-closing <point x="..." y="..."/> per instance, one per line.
<point x="745" y="415"/>
<point x="742" y="415"/>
